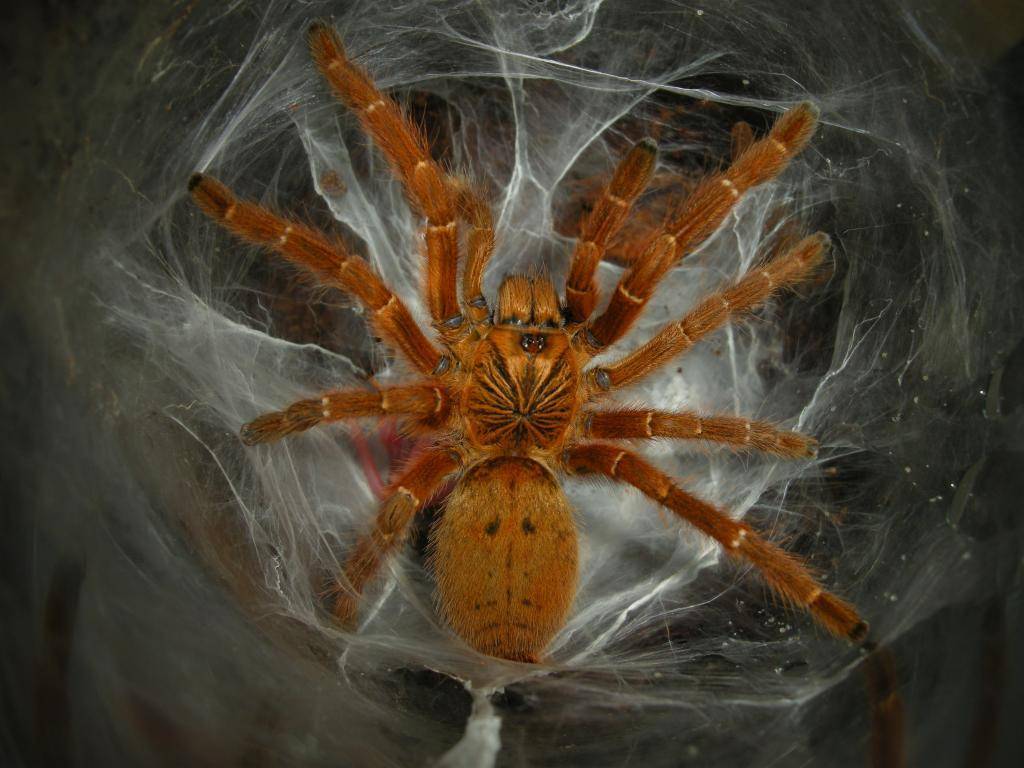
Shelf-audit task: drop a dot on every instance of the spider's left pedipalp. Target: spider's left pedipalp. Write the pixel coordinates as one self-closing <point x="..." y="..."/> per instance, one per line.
<point x="474" y="210"/>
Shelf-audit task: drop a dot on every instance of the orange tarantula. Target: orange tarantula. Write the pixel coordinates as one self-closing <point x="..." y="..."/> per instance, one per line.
<point x="507" y="395"/>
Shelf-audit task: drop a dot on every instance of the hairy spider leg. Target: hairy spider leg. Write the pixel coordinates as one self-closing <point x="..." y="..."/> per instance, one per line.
<point x="735" y="431"/>
<point x="601" y="225"/>
<point x="758" y="284"/>
<point x="887" y="715"/>
<point x="428" y="188"/>
<point x="740" y="138"/>
<point x="700" y="215"/>
<point x="784" y="573"/>
<point x="648" y="221"/>
<point x="326" y="260"/>
<point x="480" y="242"/>
<point x="427" y="402"/>
<point x="406" y="496"/>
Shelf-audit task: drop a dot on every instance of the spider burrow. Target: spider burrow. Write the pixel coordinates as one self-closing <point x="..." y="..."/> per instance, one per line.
<point x="508" y="397"/>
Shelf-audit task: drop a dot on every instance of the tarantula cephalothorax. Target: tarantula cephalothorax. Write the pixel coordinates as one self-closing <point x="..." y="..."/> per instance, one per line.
<point x="507" y="398"/>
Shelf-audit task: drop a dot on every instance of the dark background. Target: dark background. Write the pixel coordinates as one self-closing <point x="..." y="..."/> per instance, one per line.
<point x="76" y="109"/>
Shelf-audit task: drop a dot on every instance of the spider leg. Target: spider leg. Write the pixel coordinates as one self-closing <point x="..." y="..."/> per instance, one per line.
<point x="675" y="338"/>
<point x="403" y="144"/>
<point x="326" y="260"/>
<point x="741" y="137"/>
<point x="734" y="431"/>
<point x="887" y="710"/>
<point x="474" y="210"/>
<point x="406" y="496"/>
<point x="425" y="401"/>
<point x="604" y="221"/>
<point x="700" y="215"/>
<point x="784" y="573"/>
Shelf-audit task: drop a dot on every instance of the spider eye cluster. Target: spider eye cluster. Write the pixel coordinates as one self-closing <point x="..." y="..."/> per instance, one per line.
<point x="533" y="343"/>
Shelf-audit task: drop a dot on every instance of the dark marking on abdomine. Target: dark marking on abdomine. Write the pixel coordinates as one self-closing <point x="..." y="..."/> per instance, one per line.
<point x="528" y="526"/>
<point x="492" y="527"/>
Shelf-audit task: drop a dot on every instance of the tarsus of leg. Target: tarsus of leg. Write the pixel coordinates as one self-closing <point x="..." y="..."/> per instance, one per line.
<point x="699" y="216"/>
<point x="758" y="284"/>
<point x="326" y="260"/>
<point x="784" y="573"/>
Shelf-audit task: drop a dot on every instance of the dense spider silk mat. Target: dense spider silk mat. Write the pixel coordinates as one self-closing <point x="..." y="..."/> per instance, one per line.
<point x="163" y="574"/>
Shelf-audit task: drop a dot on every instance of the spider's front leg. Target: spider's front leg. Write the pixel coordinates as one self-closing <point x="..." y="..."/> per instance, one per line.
<point x="783" y="572"/>
<point x="794" y="266"/>
<point x="602" y="224"/>
<point x="406" y="496"/>
<point x="700" y="215"/>
<point x="428" y="187"/>
<point x="324" y="259"/>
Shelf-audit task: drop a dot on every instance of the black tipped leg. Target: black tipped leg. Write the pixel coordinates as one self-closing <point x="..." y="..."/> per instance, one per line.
<point x="317" y="27"/>
<point x="867" y="644"/>
<point x="811" y="107"/>
<point x="648" y="145"/>
<point x="859" y="634"/>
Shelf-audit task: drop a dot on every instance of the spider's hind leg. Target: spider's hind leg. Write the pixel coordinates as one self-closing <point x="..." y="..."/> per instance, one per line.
<point x="784" y="573"/>
<point x="406" y="496"/>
